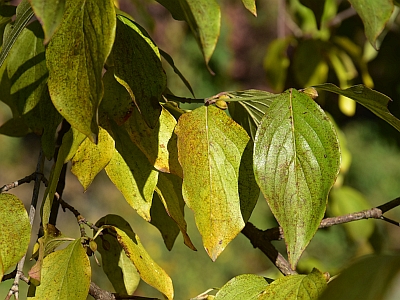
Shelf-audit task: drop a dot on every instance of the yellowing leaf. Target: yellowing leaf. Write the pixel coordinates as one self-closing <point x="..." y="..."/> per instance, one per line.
<point x="90" y="158"/>
<point x="296" y="162"/>
<point x="246" y="286"/>
<point x="15" y="231"/>
<point x="117" y="266"/>
<point x="75" y="58"/>
<point x="210" y="147"/>
<point x="296" y="287"/>
<point x="149" y="271"/>
<point x="65" y="274"/>
<point x="158" y="143"/>
<point x="131" y="173"/>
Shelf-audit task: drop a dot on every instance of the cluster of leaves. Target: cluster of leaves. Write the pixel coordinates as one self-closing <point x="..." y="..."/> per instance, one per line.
<point x="94" y="67"/>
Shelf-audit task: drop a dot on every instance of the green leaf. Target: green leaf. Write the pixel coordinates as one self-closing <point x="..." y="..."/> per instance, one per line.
<point x="373" y="100"/>
<point x="248" y="107"/>
<point x="24" y="15"/>
<point x="15" y="127"/>
<point x="131" y="173"/>
<point x="117" y="266"/>
<point x="90" y="158"/>
<point x="250" y="6"/>
<point x="210" y="147"/>
<point x="163" y="222"/>
<point x="296" y="287"/>
<point x="346" y="200"/>
<point x="159" y="144"/>
<point x="204" y="20"/>
<point x="28" y="74"/>
<point x="169" y="189"/>
<point x="65" y="274"/>
<point x="296" y="162"/>
<point x="138" y="68"/>
<point x="317" y="7"/>
<point x="149" y="271"/>
<point x="75" y="59"/>
<point x="370" y="278"/>
<point x="117" y="104"/>
<point x="246" y="286"/>
<point x="50" y="13"/>
<point x="374" y="14"/>
<point x="15" y="231"/>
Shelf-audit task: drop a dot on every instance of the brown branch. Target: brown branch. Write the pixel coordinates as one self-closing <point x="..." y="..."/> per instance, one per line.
<point x="258" y="240"/>
<point x="276" y="233"/>
<point x="26" y="179"/>
<point x="99" y="294"/>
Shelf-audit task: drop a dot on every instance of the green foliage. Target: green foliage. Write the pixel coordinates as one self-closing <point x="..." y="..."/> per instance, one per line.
<point x="96" y="71"/>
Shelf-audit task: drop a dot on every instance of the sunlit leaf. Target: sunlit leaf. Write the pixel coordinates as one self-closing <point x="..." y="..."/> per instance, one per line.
<point x="15" y="231"/>
<point x="75" y="58"/>
<point x="373" y="100"/>
<point x="149" y="271"/>
<point x="90" y="158"/>
<point x="158" y="143"/>
<point x="65" y="274"/>
<point x="210" y="146"/>
<point x="296" y="162"/>
<point x="169" y="189"/>
<point x="296" y="287"/>
<point x="250" y="6"/>
<point x="317" y="7"/>
<point x="117" y="266"/>
<point x="138" y="68"/>
<point x="50" y="13"/>
<point x="132" y="174"/>
<point x="246" y="286"/>
<point x="374" y="14"/>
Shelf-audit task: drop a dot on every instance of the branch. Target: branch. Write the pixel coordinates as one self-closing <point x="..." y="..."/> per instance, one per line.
<point x="258" y="240"/>
<point x="26" y="179"/>
<point x="372" y="213"/>
<point x="99" y="294"/>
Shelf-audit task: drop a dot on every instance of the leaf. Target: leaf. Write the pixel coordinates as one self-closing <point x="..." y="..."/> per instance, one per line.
<point x="90" y="158"/>
<point x="346" y="200"/>
<point x="163" y="222"/>
<point x="374" y="14"/>
<point x="15" y="127"/>
<point x="296" y="287"/>
<point x="370" y="278"/>
<point x="296" y="162"/>
<point x="169" y="190"/>
<point x="117" y="266"/>
<point x="246" y="286"/>
<point x="131" y="173"/>
<point x="248" y="107"/>
<point x="317" y="7"/>
<point x="15" y="231"/>
<point x="50" y="14"/>
<point x="24" y="15"/>
<point x="250" y="6"/>
<point x="65" y="274"/>
<point x="210" y="146"/>
<point x="75" y="59"/>
<point x="117" y="104"/>
<point x="158" y="143"/>
<point x="138" y="68"/>
<point x="371" y="99"/>
<point x="149" y="271"/>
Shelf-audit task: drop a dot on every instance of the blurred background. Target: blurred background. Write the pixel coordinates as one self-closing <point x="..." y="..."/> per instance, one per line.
<point x="283" y="47"/>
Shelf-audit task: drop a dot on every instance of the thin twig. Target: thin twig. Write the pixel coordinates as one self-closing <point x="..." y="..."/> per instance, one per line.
<point x="276" y="233"/>
<point x="26" y="179"/>
<point x="343" y="15"/>
<point x="258" y="240"/>
<point x="99" y="294"/>
<point x="35" y="195"/>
